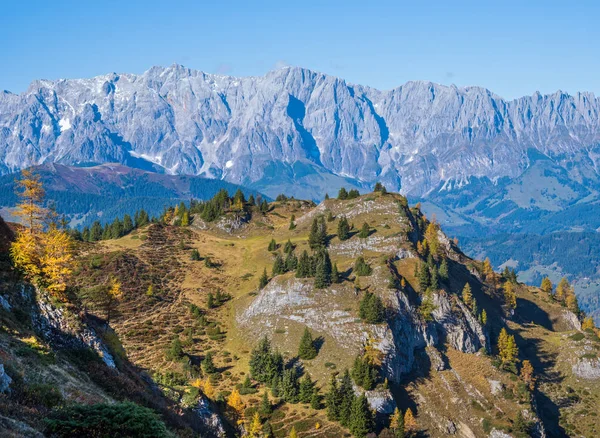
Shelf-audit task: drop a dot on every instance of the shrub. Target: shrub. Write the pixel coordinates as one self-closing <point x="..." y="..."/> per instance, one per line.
<point x="105" y="420"/>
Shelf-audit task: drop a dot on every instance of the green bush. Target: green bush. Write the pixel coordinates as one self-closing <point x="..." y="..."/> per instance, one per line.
<point x="43" y="394"/>
<point x="105" y="420"/>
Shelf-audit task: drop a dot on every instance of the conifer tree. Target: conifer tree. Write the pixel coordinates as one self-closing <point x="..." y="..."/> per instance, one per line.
<point x="371" y="309"/>
<point x="265" y="405"/>
<point x="235" y="402"/>
<point x="353" y="194"/>
<point x="292" y="222"/>
<point x="210" y="302"/>
<point x="333" y="400"/>
<point x="424" y="277"/>
<point x="272" y="245"/>
<point x="288" y="247"/>
<point x="315" y="399"/>
<point x="255" y="429"/>
<point x="303" y="269"/>
<point x="410" y="422"/>
<point x="330" y="217"/>
<point x="443" y="271"/>
<point x="362" y="421"/>
<point x="291" y="261"/>
<point x="290" y="386"/>
<point x="293" y="433"/>
<point x="323" y="270"/>
<point x="435" y="284"/>
<point x="397" y="423"/>
<point x="546" y="286"/>
<point x="195" y="255"/>
<point x="527" y="375"/>
<point x="346" y="399"/>
<point x="335" y="275"/>
<point x="510" y="296"/>
<point x="588" y="323"/>
<point x="264" y="279"/>
<point x="378" y="187"/>
<point x="342" y="194"/>
<point x="343" y="229"/>
<point x="467" y="295"/>
<point x="208" y="365"/>
<point x="267" y="430"/>
<point x="431" y="236"/>
<point x="307" y="349"/>
<point x="362" y="268"/>
<point x="507" y="349"/>
<point x="306" y="389"/>
<point x="278" y="266"/>
<point x="483" y="318"/>
<point x="364" y="231"/>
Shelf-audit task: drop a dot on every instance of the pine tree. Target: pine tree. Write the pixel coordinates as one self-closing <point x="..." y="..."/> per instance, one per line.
<point x="210" y="302"/>
<point x="343" y="229"/>
<point x="292" y="223"/>
<point x="175" y="351"/>
<point x="443" y="271"/>
<point x="467" y="295"/>
<point x="307" y="349"/>
<point x="278" y="266"/>
<point x="364" y="231"/>
<point x="362" y="421"/>
<point x="291" y="261"/>
<point x="323" y="270"/>
<point x="346" y="399"/>
<point x="378" y="187"/>
<point x="195" y="255"/>
<point x="333" y="400"/>
<point x="361" y="268"/>
<point x="265" y="405"/>
<point x="290" y="386"/>
<point x="335" y="275"/>
<point x="315" y="399"/>
<point x="303" y="270"/>
<point x="435" y="284"/>
<point x="208" y="365"/>
<point x="306" y="389"/>
<point x="288" y="247"/>
<point x="342" y="194"/>
<point x="424" y="277"/>
<point x="353" y="194"/>
<point x="272" y="245"/>
<point x="264" y="280"/>
<point x="371" y="309"/>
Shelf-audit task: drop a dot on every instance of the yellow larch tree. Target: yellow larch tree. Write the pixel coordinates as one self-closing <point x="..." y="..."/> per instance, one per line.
<point x="255" y="429"/>
<point x="588" y="323"/>
<point x="235" y="401"/>
<point x="293" y="433"/>
<point x="546" y="286"/>
<point x="527" y="375"/>
<point x="57" y="259"/>
<point x="431" y="236"/>
<point x="467" y="295"/>
<point x="562" y="289"/>
<point x="114" y="294"/>
<point x="410" y="422"/>
<point x="510" y="296"/>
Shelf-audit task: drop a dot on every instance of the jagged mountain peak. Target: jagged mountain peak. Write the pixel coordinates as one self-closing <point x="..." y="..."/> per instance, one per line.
<point x="294" y="126"/>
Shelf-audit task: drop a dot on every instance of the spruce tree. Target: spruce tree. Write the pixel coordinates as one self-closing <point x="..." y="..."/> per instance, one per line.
<point x="307" y="349"/>
<point x="306" y="389"/>
<point x="272" y="245"/>
<point x="443" y="271"/>
<point x="264" y="279"/>
<point x="342" y="194"/>
<point x="303" y="269"/>
<point x="210" y="302"/>
<point x="315" y="398"/>
<point x="364" y="231"/>
<point x="265" y="405"/>
<point x="353" y="194"/>
<point x="292" y="223"/>
<point x="208" y="366"/>
<point x="289" y="385"/>
<point x="288" y="247"/>
<point x="361" y="268"/>
<point x="362" y="421"/>
<point x="195" y="255"/>
<point x="371" y="309"/>
<point x="291" y="261"/>
<point x="343" y="229"/>
<point x="323" y="270"/>
<point x="346" y="399"/>
<point x="423" y="277"/>
<point x="333" y="400"/>
<point x="278" y="266"/>
<point x="127" y="224"/>
<point x="435" y="284"/>
<point x="335" y="275"/>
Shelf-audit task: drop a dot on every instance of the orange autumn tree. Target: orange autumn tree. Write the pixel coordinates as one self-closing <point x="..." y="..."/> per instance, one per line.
<point x="42" y="250"/>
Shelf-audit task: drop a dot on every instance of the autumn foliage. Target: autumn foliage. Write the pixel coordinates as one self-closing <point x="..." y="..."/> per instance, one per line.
<point x="42" y="250"/>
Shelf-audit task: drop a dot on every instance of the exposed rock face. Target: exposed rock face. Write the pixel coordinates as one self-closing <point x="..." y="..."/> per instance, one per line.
<point x="587" y="368"/>
<point x="5" y="380"/>
<point x="294" y="126"/>
<point x="53" y="324"/>
<point x="381" y="400"/>
<point x="209" y="418"/>
<point x="571" y="320"/>
<point x="5" y="304"/>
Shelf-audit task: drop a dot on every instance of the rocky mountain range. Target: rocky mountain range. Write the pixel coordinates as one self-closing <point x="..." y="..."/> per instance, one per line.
<point x="299" y="131"/>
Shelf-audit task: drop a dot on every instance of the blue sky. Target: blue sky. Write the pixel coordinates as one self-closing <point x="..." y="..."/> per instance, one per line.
<point x="513" y="48"/>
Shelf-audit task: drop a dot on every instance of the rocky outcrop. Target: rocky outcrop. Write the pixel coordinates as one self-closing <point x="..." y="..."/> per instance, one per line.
<point x="209" y="418"/>
<point x="571" y="320"/>
<point x="459" y="327"/>
<point x="5" y="380"/>
<point x="587" y="368"/>
<point x="64" y="329"/>
<point x="381" y="400"/>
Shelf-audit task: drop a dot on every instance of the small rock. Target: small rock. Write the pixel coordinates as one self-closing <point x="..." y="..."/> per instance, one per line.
<point x="5" y="304"/>
<point x="495" y="386"/>
<point x="587" y="368"/>
<point x="450" y="428"/>
<point x="499" y="434"/>
<point x="5" y="380"/>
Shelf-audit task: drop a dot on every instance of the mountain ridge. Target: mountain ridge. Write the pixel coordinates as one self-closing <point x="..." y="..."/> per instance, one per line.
<point x="246" y="129"/>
